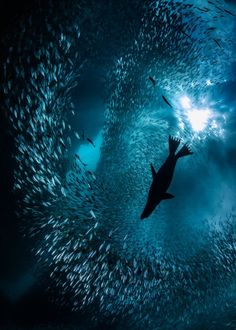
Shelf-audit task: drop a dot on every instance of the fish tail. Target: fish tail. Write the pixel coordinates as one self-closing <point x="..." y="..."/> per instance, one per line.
<point x="173" y="144"/>
<point x="184" y="151"/>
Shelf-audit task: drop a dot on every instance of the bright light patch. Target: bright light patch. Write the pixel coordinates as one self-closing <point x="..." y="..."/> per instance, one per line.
<point x="185" y="102"/>
<point x="181" y="125"/>
<point x="198" y="118"/>
<point x="208" y="82"/>
<point x="89" y="154"/>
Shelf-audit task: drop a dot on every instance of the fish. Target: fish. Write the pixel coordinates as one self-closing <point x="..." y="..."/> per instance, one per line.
<point x="212" y="28"/>
<point x="77" y="135"/>
<point x="152" y="80"/>
<point x="91" y="142"/>
<point x="221" y="9"/>
<point x="62" y="142"/>
<point x="217" y="42"/>
<point x="178" y="28"/>
<point x="83" y="134"/>
<point x="229" y="12"/>
<point x="78" y="157"/>
<point x="205" y="9"/>
<point x="161" y="180"/>
<point x="167" y="102"/>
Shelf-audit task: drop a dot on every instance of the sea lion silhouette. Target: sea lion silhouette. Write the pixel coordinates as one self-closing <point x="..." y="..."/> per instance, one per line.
<point x="162" y="179"/>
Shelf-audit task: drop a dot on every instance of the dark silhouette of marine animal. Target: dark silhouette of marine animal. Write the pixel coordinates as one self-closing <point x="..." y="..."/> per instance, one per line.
<point x="152" y="80"/>
<point x="167" y="102"/>
<point x="162" y="179"/>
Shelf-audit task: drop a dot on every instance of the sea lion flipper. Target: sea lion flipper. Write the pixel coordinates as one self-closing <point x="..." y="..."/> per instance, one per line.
<point x="167" y="196"/>
<point x="173" y="144"/>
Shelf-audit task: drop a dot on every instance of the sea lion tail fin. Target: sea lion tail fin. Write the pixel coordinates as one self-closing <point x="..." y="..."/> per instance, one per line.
<point x="184" y="151"/>
<point x="173" y="144"/>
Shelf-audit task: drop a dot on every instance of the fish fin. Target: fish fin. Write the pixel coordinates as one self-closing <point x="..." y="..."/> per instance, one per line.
<point x="184" y="151"/>
<point x="173" y="144"/>
<point x="167" y="196"/>
<point x="153" y="172"/>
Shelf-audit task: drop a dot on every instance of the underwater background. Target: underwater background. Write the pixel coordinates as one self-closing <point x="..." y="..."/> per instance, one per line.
<point x="91" y="91"/>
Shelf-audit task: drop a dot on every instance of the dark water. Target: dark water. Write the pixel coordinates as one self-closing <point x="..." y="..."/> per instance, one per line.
<point x="77" y="74"/>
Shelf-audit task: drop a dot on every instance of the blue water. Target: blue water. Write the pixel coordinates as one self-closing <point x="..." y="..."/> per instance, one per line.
<point x="176" y="269"/>
<point x="90" y="155"/>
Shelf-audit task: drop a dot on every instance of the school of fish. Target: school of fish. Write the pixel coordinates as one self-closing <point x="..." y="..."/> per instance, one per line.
<point x="84" y="225"/>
